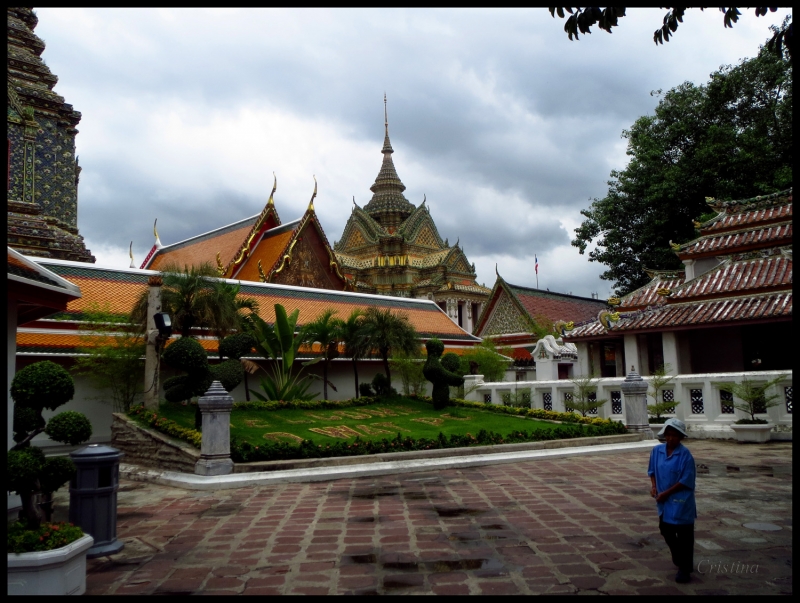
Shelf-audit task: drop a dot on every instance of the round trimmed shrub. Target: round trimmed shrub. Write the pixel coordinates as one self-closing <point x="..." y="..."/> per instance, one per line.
<point x="23" y="467"/>
<point x="26" y="420"/>
<point x="57" y="471"/>
<point x="69" y="427"/>
<point x="237" y="345"/>
<point x="187" y="355"/>
<point x="42" y="385"/>
<point x="229" y="373"/>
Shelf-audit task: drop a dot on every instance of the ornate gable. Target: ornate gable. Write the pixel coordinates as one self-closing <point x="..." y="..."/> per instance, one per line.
<point x="505" y="317"/>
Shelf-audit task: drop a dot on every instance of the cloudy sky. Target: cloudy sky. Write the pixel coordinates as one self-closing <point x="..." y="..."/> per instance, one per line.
<point x="505" y="125"/>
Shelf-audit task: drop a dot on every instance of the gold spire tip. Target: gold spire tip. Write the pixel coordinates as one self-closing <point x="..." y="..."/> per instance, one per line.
<point x="311" y="203"/>
<point x="274" y="188"/>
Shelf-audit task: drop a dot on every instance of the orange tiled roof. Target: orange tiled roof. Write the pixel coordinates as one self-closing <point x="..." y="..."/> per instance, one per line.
<point x="117" y="291"/>
<point x="204" y="248"/>
<point x="269" y="251"/>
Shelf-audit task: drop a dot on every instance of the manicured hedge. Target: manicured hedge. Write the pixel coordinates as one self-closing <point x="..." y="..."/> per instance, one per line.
<point x="166" y="426"/>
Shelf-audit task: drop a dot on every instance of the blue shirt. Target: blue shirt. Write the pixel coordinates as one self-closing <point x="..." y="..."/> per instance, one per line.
<point x="679" y="508"/>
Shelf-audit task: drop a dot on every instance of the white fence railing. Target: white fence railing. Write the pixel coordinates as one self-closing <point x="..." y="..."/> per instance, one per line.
<point x="701" y="404"/>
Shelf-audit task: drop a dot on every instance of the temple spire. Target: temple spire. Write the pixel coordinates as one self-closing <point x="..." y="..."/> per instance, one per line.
<point x="388" y="206"/>
<point x="387" y="146"/>
<point x="311" y="203"/>
<point x="270" y="201"/>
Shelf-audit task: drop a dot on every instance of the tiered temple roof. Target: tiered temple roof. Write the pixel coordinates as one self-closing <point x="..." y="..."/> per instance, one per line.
<point x="391" y="247"/>
<point x="42" y="167"/>
<point x="260" y="249"/>
<point x="751" y="282"/>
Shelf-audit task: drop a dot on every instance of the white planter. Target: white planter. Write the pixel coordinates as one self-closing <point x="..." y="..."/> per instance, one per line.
<point x="752" y="433"/>
<point x="57" y="572"/>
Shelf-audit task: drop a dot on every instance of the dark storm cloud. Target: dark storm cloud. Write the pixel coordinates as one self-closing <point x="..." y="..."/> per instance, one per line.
<point x="506" y="126"/>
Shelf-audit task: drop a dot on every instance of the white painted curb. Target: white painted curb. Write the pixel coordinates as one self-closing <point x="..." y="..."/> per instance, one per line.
<point x="319" y="474"/>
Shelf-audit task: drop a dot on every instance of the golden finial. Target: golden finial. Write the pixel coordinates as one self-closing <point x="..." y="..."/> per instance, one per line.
<point x="311" y="203"/>
<point x="274" y="188"/>
<point x="130" y="253"/>
<point x="155" y="233"/>
<point x="664" y="292"/>
<point x="385" y="115"/>
<point x="220" y="267"/>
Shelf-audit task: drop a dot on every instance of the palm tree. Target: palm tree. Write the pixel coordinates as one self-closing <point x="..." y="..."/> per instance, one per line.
<point x="227" y="310"/>
<point x="354" y="340"/>
<point x="386" y="332"/>
<point x="187" y="296"/>
<point x="325" y="331"/>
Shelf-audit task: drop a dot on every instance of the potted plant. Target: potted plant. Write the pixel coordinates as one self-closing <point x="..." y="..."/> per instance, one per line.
<point x="44" y="558"/>
<point x="754" y="400"/>
<point x="658" y="381"/>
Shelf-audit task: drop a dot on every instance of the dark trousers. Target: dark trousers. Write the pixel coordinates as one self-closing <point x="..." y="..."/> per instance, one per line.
<point x="680" y="539"/>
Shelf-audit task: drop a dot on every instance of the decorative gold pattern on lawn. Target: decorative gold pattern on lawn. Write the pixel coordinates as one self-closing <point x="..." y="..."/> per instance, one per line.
<point x="448" y="416"/>
<point x="429" y="421"/>
<point x="369" y="430"/>
<point x="278" y="436"/>
<point x="342" y="431"/>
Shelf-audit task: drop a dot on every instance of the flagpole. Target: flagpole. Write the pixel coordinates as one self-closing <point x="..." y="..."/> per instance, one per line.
<point x="536" y="268"/>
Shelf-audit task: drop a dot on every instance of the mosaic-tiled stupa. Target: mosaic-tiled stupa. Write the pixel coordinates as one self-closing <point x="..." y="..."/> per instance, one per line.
<point x="43" y="168"/>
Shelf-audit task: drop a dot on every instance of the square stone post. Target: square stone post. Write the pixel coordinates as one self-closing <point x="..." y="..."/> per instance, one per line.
<point x="634" y="395"/>
<point x="215" y="449"/>
<point x="151" y="376"/>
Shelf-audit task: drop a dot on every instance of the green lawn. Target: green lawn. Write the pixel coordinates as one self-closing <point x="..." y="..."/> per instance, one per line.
<point x="414" y="418"/>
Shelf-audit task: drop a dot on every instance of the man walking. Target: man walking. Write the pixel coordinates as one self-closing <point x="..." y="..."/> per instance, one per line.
<point x="672" y="475"/>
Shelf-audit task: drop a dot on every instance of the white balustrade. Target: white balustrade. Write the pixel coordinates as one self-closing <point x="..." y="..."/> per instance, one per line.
<point x="704" y="415"/>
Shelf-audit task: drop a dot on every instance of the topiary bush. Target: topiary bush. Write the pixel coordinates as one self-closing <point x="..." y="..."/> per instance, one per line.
<point x="381" y="385"/>
<point x="229" y="373"/>
<point x="438" y="375"/>
<point x="365" y="389"/>
<point x="39" y="386"/>
<point x="187" y="355"/>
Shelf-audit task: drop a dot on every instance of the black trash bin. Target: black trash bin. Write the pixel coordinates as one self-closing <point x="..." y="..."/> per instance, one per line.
<point x="93" y="496"/>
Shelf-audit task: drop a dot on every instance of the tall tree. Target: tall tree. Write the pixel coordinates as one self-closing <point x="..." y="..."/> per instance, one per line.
<point x="354" y="340"/>
<point x="188" y="295"/>
<point x="728" y="139"/>
<point x="228" y="310"/>
<point x="325" y="331"/>
<point x="387" y="331"/>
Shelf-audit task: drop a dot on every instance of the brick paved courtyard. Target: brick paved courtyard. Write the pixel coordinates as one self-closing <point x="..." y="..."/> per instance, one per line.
<point x="556" y="526"/>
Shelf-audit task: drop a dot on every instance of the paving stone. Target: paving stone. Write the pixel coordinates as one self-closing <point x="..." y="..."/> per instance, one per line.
<point x="524" y="528"/>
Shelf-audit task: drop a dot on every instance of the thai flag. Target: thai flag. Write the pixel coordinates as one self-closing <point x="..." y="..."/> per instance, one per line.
<point x="536" y="260"/>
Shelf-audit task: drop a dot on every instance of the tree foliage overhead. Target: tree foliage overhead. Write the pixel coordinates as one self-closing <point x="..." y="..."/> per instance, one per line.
<point x="728" y="139"/>
<point x="582" y="19"/>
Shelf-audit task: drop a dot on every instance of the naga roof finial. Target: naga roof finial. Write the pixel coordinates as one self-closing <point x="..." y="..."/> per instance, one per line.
<point x="155" y="233"/>
<point x="311" y="203"/>
<point x="495" y="270"/>
<point x="130" y="253"/>
<point x="274" y="188"/>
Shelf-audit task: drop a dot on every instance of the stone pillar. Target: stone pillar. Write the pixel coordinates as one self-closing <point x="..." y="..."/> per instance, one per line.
<point x="151" y="377"/>
<point x="634" y="397"/>
<point x="631" y="346"/>
<point x="471" y="384"/>
<point x="215" y="449"/>
<point x="669" y="346"/>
